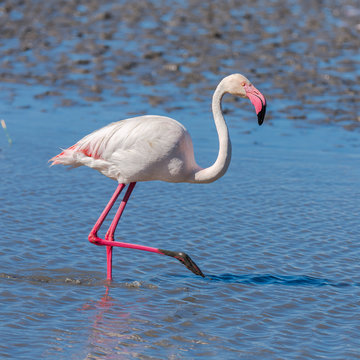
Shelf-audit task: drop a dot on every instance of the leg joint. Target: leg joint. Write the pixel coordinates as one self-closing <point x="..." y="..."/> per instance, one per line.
<point x="93" y="238"/>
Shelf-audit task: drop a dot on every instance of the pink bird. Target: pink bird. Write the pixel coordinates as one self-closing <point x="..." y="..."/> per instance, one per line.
<point x="153" y="147"/>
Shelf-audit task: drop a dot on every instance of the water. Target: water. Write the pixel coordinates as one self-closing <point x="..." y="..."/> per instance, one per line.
<point x="277" y="236"/>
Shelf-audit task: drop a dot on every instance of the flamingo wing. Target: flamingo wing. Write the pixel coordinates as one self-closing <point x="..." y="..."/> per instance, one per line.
<point x="137" y="149"/>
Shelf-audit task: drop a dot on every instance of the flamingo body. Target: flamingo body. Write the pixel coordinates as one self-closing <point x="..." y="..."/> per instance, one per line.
<point x="152" y="147"/>
<point x="143" y="148"/>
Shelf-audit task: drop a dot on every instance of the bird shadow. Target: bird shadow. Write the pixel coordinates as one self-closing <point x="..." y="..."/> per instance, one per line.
<point x="269" y="279"/>
<point x="245" y="279"/>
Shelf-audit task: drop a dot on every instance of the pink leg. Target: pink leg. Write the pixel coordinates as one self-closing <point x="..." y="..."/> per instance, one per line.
<point x="110" y="233"/>
<point x="109" y="238"/>
<point x="99" y="222"/>
<point x="93" y="233"/>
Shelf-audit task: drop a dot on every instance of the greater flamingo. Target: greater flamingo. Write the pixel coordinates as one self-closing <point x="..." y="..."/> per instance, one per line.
<point x="151" y="147"/>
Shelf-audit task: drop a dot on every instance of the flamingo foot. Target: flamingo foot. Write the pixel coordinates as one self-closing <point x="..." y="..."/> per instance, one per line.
<point x="185" y="259"/>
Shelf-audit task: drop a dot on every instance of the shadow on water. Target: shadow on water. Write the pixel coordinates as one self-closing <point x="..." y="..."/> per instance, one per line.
<point x="248" y="279"/>
<point x="60" y="279"/>
<point x="267" y="279"/>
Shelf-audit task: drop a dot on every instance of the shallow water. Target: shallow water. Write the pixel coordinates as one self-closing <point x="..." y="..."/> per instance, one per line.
<point x="277" y="236"/>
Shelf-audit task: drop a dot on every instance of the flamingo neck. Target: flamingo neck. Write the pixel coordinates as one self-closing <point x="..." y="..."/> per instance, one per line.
<point x="222" y="162"/>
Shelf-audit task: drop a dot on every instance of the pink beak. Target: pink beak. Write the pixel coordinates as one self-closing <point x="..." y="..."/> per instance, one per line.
<point x="258" y="100"/>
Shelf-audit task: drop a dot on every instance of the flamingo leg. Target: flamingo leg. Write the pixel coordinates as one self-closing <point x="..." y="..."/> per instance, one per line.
<point x="93" y="238"/>
<point x="99" y="222"/>
<point x="109" y="237"/>
<point x="110" y="233"/>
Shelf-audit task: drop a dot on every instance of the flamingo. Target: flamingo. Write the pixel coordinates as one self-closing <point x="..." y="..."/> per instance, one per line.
<point x="151" y="147"/>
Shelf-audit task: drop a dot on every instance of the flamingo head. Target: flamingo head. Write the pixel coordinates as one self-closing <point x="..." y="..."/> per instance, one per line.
<point x="239" y="85"/>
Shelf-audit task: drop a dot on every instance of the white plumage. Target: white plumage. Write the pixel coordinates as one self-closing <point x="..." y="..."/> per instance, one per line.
<point x="154" y="147"/>
<point x="138" y="149"/>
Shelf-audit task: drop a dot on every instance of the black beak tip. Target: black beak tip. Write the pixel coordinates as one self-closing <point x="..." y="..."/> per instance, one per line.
<point x="261" y="115"/>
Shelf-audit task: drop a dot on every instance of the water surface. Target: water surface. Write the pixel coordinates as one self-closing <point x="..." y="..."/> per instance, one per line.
<point x="277" y="236"/>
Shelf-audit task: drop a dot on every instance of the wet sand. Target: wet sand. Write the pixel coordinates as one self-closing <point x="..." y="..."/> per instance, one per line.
<point x="303" y="55"/>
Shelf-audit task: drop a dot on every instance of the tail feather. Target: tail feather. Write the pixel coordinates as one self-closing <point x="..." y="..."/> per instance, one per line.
<point x="75" y="156"/>
<point x="55" y="159"/>
<point x="66" y="157"/>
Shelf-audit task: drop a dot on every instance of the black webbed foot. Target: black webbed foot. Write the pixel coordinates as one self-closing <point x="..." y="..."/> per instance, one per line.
<point x="185" y="259"/>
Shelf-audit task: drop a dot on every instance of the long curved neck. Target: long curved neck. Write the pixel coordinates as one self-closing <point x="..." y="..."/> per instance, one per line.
<point x="222" y="162"/>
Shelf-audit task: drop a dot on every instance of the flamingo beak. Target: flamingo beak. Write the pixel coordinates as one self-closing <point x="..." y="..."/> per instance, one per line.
<point x="258" y="100"/>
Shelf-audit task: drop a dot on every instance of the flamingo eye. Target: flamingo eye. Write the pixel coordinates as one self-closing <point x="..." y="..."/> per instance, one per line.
<point x="243" y="83"/>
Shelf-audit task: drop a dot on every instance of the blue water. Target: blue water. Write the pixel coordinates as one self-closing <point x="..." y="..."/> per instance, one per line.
<point x="277" y="237"/>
